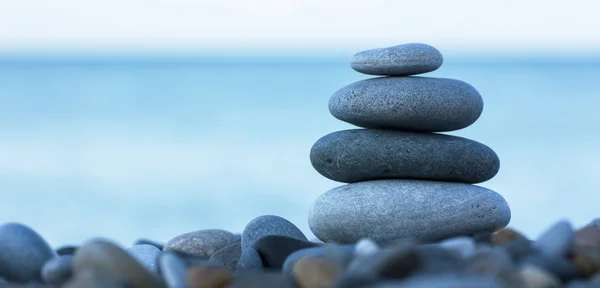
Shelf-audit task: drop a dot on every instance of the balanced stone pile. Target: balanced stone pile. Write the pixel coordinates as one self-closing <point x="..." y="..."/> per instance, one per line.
<point x="405" y="180"/>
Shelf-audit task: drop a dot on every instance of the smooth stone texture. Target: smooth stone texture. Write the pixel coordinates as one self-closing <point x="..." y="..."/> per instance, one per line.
<point x="357" y="155"/>
<point x="399" y="60"/>
<point x="408" y="103"/>
<point x="149" y="242"/>
<point x="557" y="240"/>
<point x="208" y="277"/>
<point x="173" y="269"/>
<point x="146" y="255"/>
<point x="23" y="252"/>
<point x="463" y="246"/>
<point x="66" y="250"/>
<point x="250" y="261"/>
<point x="347" y="252"/>
<point x="388" y="210"/>
<point x="109" y="259"/>
<point x="315" y="273"/>
<point x="58" y="270"/>
<point x="274" y="249"/>
<point x="267" y="225"/>
<point x="445" y="281"/>
<point x="229" y="255"/>
<point x="202" y="243"/>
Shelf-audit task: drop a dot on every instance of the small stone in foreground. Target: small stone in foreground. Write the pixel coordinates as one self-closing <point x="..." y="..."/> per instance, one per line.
<point x="400" y="60"/>
<point x="172" y="269"/>
<point x="274" y="249"/>
<point x="263" y="280"/>
<point x="315" y="273"/>
<point x="23" y="252"/>
<point x="58" y="270"/>
<point x="249" y="261"/>
<point x="207" y="277"/>
<point x="536" y="277"/>
<point x="506" y="235"/>
<point x="202" y="243"/>
<point x="269" y="225"/>
<point x="146" y="255"/>
<point x="557" y="240"/>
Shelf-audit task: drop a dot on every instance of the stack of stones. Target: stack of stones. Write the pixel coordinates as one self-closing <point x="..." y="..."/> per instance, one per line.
<point x="405" y="180"/>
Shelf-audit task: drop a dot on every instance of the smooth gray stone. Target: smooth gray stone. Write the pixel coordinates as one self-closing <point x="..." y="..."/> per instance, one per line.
<point x="229" y="255"/>
<point x="202" y="243"/>
<point x="347" y="252"/>
<point x="358" y="155"/>
<point x="388" y="210"/>
<point x="58" y="270"/>
<point x="462" y="246"/>
<point x="23" y="252"/>
<point x="400" y="60"/>
<point x="269" y="225"/>
<point x="408" y="103"/>
<point x="172" y="268"/>
<point x="145" y="254"/>
<point x="149" y="242"/>
<point x="557" y="240"/>
<point x="445" y="281"/>
<point x="249" y="261"/>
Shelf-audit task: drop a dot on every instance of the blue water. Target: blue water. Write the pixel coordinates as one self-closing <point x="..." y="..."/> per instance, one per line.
<point x="127" y="148"/>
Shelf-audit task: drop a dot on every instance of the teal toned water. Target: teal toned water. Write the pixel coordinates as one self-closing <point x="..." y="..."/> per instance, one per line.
<point x="126" y="149"/>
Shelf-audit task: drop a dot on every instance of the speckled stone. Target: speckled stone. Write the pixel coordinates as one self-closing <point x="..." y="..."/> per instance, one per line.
<point x="358" y="155"/>
<point x="250" y="261"/>
<point x="23" y="252"/>
<point x="146" y="255"/>
<point x="400" y="60"/>
<point x="109" y="259"/>
<point x="269" y="225"/>
<point x="388" y="210"/>
<point x="229" y="255"/>
<point x="408" y="103"/>
<point x="58" y="270"/>
<point x="202" y="243"/>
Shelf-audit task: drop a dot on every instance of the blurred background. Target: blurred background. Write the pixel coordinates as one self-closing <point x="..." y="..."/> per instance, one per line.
<point x="131" y="119"/>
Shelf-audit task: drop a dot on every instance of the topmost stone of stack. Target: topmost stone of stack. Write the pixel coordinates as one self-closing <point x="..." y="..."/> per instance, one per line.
<point x="400" y="60"/>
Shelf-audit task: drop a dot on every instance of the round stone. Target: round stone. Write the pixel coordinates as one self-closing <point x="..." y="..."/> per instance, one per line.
<point x="315" y="273"/>
<point x="400" y="60"/>
<point x="346" y="252"/>
<point x="109" y="259"/>
<point x="267" y="225"/>
<point x="358" y="155"/>
<point x="389" y="210"/>
<point x="146" y="255"/>
<point x="250" y="261"/>
<point x="23" y="252"/>
<point x="229" y="255"/>
<point x="274" y="249"/>
<point x="408" y="103"/>
<point x="58" y="270"/>
<point x="557" y="240"/>
<point x="202" y="243"/>
<point x="173" y="269"/>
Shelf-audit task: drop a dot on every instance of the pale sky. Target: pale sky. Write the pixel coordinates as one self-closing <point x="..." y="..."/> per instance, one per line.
<point x="508" y="25"/>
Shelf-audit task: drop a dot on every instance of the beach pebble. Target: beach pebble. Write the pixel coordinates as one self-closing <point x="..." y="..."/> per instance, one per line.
<point x="445" y="281"/>
<point x="384" y="210"/>
<point x="250" y="261"/>
<point x="264" y="280"/>
<point x="536" y="277"/>
<point x="95" y="279"/>
<point x="109" y="259"/>
<point x="173" y="269"/>
<point x="464" y="247"/>
<point x="66" y="250"/>
<point x="506" y="235"/>
<point x="408" y="103"/>
<point x="358" y="155"/>
<point x="557" y="240"/>
<point x="149" y="242"/>
<point x="556" y="265"/>
<point x="483" y="238"/>
<point x="399" y="60"/>
<point x="586" y="250"/>
<point x="274" y="249"/>
<point x="519" y="248"/>
<point x="208" y="277"/>
<point x="146" y="255"/>
<point x="342" y="254"/>
<point x="269" y="225"/>
<point x="229" y="255"/>
<point x="23" y="252"/>
<point x="58" y="270"/>
<point x="315" y="273"/>
<point x="365" y="247"/>
<point x="202" y="243"/>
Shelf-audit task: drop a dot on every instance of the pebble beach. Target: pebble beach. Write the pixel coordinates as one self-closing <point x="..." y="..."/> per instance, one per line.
<point x="409" y="212"/>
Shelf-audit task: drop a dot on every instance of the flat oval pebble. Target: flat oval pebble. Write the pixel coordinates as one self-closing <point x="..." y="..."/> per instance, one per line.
<point x="274" y="249"/>
<point x="269" y="225"/>
<point x="23" y="252"/>
<point x="408" y="103"/>
<point x="146" y="255"/>
<point x="399" y="60"/>
<point x="388" y="210"/>
<point x="229" y="255"/>
<point x="111" y="260"/>
<point x="358" y="155"/>
<point x="202" y="243"/>
<point x="58" y="270"/>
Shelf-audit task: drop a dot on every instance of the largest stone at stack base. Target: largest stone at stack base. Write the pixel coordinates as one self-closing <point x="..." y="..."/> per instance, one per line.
<point x="390" y="210"/>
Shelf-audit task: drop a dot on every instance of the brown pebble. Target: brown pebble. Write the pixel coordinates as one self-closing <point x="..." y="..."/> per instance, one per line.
<point x="538" y="278"/>
<point x="506" y="235"/>
<point x="207" y="277"/>
<point x="312" y="272"/>
<point x="586" y="251"/>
